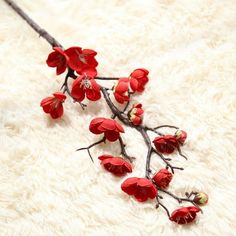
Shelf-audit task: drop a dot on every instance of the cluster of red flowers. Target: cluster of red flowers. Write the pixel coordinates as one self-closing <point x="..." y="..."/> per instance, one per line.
<point x="142" y="188"/>
<point x="134" y="83"/>
<point x="83" y="62"/>
<point x="167" y="144"/>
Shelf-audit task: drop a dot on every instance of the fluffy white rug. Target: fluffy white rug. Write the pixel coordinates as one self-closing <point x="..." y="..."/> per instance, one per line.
<point x="46" y="188"/>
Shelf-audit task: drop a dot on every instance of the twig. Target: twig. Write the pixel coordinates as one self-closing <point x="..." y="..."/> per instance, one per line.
<point x="166" y="160"/>
<point x="90" y="146"/>
<point x="123" y="151"/>
<point x="180" y="153"/>
<point x="166" y="126"/>
<point x="153" y="130"/>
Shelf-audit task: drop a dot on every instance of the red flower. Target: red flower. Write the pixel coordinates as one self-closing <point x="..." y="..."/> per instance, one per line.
<point x="82" y="60"/>
<point x="162" y="178"/>
<point x="135" y="115"/>
<point x="115" y="165"/>
<point x="109" y="127"/>
<point x="141" y="188"/>
<point x="86" y="85"/>
<point x="58" y="59"/>
<point x="181" y="136"/>
<point x="121" y="89"/>
<point x="165" y="144"/>
<point x="53" y="105"/>
<point x="184" y="215"/>
<point x="138" y="79"/>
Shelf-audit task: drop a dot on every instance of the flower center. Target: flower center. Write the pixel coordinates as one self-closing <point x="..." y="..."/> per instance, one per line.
<point x="86" y="83"/>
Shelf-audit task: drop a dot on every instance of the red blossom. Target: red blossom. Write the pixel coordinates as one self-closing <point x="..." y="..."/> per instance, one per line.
<point x="140" y="188"/>
<point x="138" y="79"/>
<point x="115" y="165"/>
<point x="82" y="60"/>
<point x="121" y="89"/>
<point x="165" y="144"/>
<point x="53" y="105"/>
<point x="58" y="59"/>
<point x="162" y="178"/>
<point x="109" y="127"/>
<point x="181" y="136"/>
<point x="85" y="85"/>
<point x="184" y="215"/>
<point x="135" y="115"/>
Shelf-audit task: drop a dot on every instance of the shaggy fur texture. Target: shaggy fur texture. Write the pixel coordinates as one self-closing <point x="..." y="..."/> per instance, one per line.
<point x="46" y="188"/>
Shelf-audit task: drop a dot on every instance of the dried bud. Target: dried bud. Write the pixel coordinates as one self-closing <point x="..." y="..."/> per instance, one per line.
<point x="201" y="198"/>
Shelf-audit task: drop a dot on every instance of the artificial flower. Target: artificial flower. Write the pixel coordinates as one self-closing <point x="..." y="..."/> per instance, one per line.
<point x="181" y="136"/>
<point x="109" y="127"/>
<point x="140" y="188"/>
<point x="162" y="178"/>
<point x="85" y="85"/>
<point x="138" y="79"/>
<point x="58" y="59"/>
<point x="120" y="90"/>
<point x="135" y="115"/>
<point x="184" y="215"/>
<point x="53" y="104"/>
<point x="165" y="144"/>
<point x="115" y="165"/>
<point x="82" y="60"/>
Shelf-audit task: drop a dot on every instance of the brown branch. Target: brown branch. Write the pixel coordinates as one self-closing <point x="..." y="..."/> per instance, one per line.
<point x="123" y="151"/>
<point x="116" y="113"/>
<point x="166" y="160"/>
<point x="92" y="145"/>
<point x="166" y="126"/>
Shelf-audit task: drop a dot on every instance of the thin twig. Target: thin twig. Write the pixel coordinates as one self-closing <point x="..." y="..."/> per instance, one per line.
<point x="123" y="151"/>
<point x="180" y="153"/>
<point x="90" y="146"/>
<point x="153" y="130"/>
<point x="166" y="160"/>
<point x="166" y="126"/>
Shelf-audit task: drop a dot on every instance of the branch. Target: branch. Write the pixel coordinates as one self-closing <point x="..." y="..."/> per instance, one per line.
<point x="123" y="151"/>
<point x="166" y="160"/>
<point x="90" y="146"/>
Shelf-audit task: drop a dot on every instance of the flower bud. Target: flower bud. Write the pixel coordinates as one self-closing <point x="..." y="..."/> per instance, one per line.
<point x="201" y="198"/>
<point x="181" y="136"/>
<point x="135" y="114"/>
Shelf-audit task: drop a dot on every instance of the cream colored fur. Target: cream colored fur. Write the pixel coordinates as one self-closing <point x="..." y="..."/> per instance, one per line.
<point x="189" y="47"/>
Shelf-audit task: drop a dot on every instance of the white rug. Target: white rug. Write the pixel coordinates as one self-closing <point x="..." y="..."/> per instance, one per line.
<point x="189" y="47"/>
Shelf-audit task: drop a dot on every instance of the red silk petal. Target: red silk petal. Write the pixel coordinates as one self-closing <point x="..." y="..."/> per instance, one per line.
<point x="112" y="136"/>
